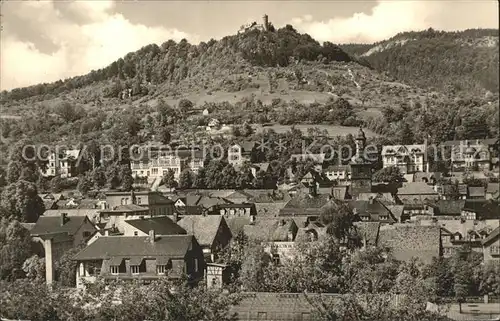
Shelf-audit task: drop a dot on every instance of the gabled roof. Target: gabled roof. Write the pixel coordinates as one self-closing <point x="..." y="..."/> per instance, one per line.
<point x="403" y="149"/>
<point x="271" y="230"/>
<point x="237" y="223"/>
<point x="162" y="225"/>
<point x="91" y="213"/>
<point x="105" y="247"/>
<point x="416" y="189"/>
<point x="374" y="209"/>
<point x="204" y="228"/>
<point x="52" y="224"/>
<point x="493" y="236"/>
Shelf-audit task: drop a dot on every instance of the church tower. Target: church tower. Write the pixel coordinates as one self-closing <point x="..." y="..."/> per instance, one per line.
<point x="361" y="173"/>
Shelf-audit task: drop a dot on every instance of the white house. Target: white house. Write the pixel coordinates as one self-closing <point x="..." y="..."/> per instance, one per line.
<point x="62" y="163"/>
<point x="409" y="158"/>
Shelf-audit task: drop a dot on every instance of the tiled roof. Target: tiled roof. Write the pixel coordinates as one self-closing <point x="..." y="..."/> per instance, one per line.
<point x="416" y="189"/>
<point x="237" y="223"/>
<point x="476" y="191"/>
<point x="162" y="225"/>
<point x="271" y="230"/>
<point x="318" y="158"/>
<point x="492" y="188"/>
<point x="269" y="209"/>
<point x="52" y="224"/>
<point x="172" y="246"/>
<point x="493" y="235"/>
<point x="338" y="168"/>
<point x="128" y="208"/>
<point x="283" y="306"/>
<point x="396" y="210"/>
<point x="448" y="207"/>
<point x="374" y="208"/>
<point x="407" y="241"/>
<point x="92" y="214"/>
<point x="204" y="228"/>
<point x="305" y="200"/>
<point x="484" y="209"/>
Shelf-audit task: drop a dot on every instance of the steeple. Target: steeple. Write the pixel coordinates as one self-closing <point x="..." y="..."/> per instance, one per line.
<point x="360" y="142"/>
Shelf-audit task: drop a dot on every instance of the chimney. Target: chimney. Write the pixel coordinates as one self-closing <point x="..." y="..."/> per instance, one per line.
<point x="106" y="233"/>
<point x="370" y="200"/>
<point x="151" y="236"/>
<point x="64" y="218"/>
<point x="132" y="196"/>
<point x="176" y="217"/>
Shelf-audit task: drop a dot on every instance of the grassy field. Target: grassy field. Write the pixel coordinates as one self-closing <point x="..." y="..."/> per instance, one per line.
<point x="333" y="130"/>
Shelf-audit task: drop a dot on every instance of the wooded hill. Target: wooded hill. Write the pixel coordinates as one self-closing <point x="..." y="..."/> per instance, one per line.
<point x="453" y="61"/>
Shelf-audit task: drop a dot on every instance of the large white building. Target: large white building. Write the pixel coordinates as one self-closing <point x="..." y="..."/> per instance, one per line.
<point x="409" y="158"/>
<point x="61" y="163"/>
<point x="155" y="167"/>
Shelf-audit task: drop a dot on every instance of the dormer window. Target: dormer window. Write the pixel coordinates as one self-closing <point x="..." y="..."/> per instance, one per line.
<point x="134" y="269"/>
<point x="161" y="269"/>
<point x="114" y="269"/>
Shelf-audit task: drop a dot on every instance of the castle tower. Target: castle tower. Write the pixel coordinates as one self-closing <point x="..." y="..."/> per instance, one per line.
<point x="265" y="22"/>
<point x="361" y="175"/>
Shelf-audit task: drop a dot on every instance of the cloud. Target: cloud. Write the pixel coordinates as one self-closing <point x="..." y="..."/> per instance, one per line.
<point x="99" y="39"/>
<point x="388" y="18"/>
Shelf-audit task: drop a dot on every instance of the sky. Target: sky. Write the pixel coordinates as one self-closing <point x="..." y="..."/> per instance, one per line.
<point x="47" y="40"/>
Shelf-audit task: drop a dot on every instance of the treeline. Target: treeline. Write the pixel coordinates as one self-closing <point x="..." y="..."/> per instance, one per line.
<point x="451" y="61"/>
<point x="173" y="62"/>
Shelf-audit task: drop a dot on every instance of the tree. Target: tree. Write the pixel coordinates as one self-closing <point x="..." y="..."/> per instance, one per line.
<point x="164" y="135"/>
<point x="390" y="174"/>
<point x="199" y="179"/>
<point x="14" y="170"/>
<point x="15" y="248"/>
<point x="113" y="176"/>
<point x="186" y="179"/>
<point x="126" y="178"/>
<point x="169" y="179"/>
<point x="21" y="202"/>
<point x="490" y="279"/>
<point x="65" y="267"/>
<point x="339" y="221"/>
<point x="84" y="183"/>
<point x="253" y="269"/>
<point x="185" y="105"/>
<point x="99" y="177"/>
<point x="405" y="134"/>
<point x="56" y="184"/>
<point x="34" y="268"/>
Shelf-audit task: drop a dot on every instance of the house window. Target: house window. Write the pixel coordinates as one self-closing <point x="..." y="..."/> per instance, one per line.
<point x="276" y="259"/>
<point x="136" y="233"/>
<point x="384" y="217"/>
<point x="161" y="269"/>
<point x="138" y="200"/>
<point x="86" y="234"/>
<point x="262" y="316"/>
<point x="134" y="269"/>
<point x="114" y="269"/>
<point x="495" y="250"/>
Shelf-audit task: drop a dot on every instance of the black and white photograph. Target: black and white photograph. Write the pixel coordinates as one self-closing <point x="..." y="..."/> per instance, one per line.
<point x="240" y="160"/>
